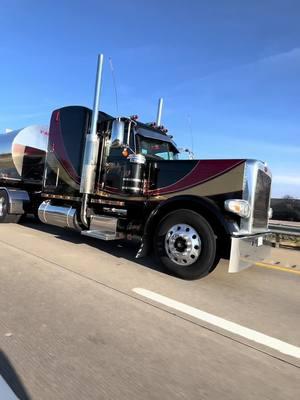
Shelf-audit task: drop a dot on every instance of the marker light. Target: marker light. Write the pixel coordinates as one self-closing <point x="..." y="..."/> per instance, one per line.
<point x="270" y="213"/>
<point x="239" y="207"/>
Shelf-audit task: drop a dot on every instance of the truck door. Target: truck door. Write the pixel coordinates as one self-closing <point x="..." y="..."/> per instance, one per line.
<point x="123" y="173"/>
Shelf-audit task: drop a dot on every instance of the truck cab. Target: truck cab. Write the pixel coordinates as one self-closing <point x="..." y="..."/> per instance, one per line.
<point x="140" y="181"/>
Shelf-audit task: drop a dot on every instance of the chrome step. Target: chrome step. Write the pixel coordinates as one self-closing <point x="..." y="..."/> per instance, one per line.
<point x="103" y="227"/>
<point x="100" y="235"/>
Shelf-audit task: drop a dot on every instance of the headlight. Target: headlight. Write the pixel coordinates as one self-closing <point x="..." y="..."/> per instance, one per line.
<point x="239" y="207"/>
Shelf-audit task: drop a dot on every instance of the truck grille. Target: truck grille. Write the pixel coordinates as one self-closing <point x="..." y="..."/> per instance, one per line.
<point x="261" y="200"/>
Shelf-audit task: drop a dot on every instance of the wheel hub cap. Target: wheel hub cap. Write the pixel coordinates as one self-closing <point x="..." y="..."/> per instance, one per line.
<point x="183" y="244"/>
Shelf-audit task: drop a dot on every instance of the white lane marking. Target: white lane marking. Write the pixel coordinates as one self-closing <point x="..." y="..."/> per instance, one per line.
<point x="222" y="323"/>
<point x="5" y="391"/>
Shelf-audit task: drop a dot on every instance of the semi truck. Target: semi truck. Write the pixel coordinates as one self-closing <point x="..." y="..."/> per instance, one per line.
<point x="116" y="178"/>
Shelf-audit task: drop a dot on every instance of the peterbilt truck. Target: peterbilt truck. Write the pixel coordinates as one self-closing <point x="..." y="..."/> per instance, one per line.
<point x="116" y="178"/>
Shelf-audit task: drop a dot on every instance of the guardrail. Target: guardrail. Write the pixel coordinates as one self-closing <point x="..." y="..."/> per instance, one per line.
<point x="285" y="234"/>
<point x="285" y="229"/>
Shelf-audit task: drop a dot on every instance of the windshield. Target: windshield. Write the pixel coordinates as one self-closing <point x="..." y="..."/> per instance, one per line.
<point x="156" y="149"/>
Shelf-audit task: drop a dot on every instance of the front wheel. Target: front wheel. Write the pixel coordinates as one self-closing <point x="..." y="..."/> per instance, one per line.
<point x="185" y="243"/>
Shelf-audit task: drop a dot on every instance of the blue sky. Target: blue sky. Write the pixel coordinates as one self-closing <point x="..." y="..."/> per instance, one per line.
<point x="228" y="70"/>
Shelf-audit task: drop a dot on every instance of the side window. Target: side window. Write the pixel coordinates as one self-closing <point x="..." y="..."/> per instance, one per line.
<point x="165" y="155"/>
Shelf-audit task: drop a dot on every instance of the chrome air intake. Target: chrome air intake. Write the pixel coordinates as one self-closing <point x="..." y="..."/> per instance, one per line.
<point x="133" y="180"/>
<point x="64" y="217"/>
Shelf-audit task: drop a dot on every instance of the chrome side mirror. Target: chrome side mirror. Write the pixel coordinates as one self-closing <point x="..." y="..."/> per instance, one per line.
<point x="117" y="133"/>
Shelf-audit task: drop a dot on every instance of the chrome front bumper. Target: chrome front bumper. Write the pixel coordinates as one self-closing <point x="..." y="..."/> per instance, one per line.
<point x="247" y="250"/>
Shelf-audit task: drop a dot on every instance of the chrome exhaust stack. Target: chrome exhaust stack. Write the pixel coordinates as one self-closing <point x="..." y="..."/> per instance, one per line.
<point x="91" y="150"/>
<point x="159" y="111"/>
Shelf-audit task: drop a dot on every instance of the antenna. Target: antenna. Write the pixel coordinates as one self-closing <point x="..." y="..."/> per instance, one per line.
<point x="191" y="132"/>
<point x="191" y="155"/>
<point x="115" y="85"/>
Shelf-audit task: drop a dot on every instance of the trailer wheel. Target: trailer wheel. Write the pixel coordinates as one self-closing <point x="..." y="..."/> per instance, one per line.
<point x="185" y="244"/>
<point x="5" y="217"/>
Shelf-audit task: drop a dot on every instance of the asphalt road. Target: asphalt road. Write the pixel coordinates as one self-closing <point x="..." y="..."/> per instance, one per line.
<point x="73" y="325"/>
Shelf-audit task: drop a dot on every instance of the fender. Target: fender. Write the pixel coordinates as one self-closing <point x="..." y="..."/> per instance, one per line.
<point x="203" y="205"/>
<point x="16" y="198"/>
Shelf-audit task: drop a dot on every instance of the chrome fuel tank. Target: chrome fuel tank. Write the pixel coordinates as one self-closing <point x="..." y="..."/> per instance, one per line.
<point x="22" y="154"/>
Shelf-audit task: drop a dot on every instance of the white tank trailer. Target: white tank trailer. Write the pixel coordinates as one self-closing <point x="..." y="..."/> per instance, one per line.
<point x="22" y="160"/>
<point x="22" y="155"/>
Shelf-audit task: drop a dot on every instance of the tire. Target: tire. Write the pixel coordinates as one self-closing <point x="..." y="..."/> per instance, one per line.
<point x="215" y="263"/>
<point x="5" y="217"/>
<point x="185" y="244"/>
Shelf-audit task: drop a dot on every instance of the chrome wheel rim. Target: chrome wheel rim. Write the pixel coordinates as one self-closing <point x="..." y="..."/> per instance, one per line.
<point x="183" y="244"/>
<point x="2" y="206"/>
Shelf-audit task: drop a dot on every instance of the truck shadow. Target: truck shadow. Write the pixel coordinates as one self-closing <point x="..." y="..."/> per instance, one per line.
<point x="121" y="249"/>
<point x="12" y="379"/>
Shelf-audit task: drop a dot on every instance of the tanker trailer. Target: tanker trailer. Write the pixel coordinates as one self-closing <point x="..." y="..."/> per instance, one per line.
<point x="22" y="158"/>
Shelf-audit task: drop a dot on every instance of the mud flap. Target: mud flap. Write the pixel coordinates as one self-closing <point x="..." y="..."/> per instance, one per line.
<point x="144" y="248"/>
<point x="16" y="198"/>
<point x="247" y="250"/>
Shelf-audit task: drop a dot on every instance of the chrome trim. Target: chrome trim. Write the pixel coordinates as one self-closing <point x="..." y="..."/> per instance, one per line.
<point x="57" y="177"/>
<point x="59" y="196"/>
<point x="45" y="177"/>
<point x="137" y="158"/>
<point x="132" y="179"/>
<point x="240" y="233"/>
<point x="8" y="178"/>
<point x="108" y="202"/>
<point x="118" y="211"/>
<point x="131" y="188"/>
<point x="128" y="133"/>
